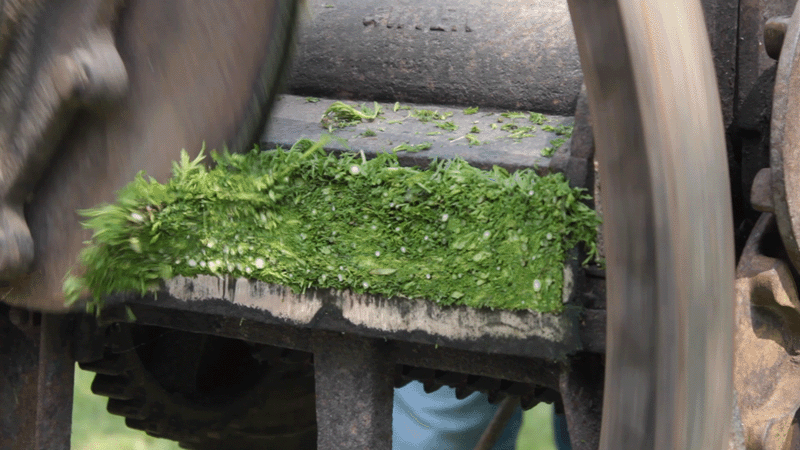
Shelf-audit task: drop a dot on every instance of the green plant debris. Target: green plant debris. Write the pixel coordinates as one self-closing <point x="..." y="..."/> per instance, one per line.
<point x="562" y="130"/>
<point x="472" y="140"/>
<point x="518" y="132"/>
<point x="475" y="129"/>
<point x="406" y="147"/>
<point x="451" y="233"/>
<point x="472" y="110"/>
<point x="537" y="118"/>
<point x="340" y="115"/>
<point x="399" y="107"/>
<point x="427" y="115"/>
<point x="514" y="115"/>
<point x="369" y="133"/>
<point x="312" y="99"/>
<point x="433" y="133"/>
<point x="447" y="126"/>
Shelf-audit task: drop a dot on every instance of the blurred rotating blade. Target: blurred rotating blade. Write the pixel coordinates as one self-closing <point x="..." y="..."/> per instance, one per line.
<point x="668" y="223"/>
<point x="200" y="73"/>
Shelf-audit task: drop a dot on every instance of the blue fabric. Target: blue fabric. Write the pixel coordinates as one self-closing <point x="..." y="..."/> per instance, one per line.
<point x="439" y="421"/>
<point x="560" y="432"/>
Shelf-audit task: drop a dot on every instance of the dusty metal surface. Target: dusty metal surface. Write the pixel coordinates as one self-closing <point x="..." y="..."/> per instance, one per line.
<point x="248" y="324"/>
<point x="294" y="117"/>
<point x="667" y="222"/>
<point x="581" y="388"/>
<point x="19" y="367"/>
<point x="785" y="141"/>
<point x="506" y="54"/>
<point x="36" y="379"/>
<point x="766" y="377"/>
<point x="721" y="20"/>
<point x="55" y="382"/>
<point x="526" y="333"/>
<point x="354" y="389"/>
<point x="197" y="72"/>
<point x="752" y="61"/>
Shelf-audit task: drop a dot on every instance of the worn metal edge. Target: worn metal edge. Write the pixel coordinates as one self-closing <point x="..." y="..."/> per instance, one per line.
<point x="523" y="333"/>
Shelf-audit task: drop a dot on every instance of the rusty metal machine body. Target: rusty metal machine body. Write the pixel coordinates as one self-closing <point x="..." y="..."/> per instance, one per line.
<point x="690" y="142"/>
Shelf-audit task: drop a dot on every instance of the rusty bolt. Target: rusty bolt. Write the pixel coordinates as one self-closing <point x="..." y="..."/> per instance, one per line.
<point x="774" y="31"/>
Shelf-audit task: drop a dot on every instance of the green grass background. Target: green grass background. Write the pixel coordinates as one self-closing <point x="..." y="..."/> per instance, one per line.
<point x="95" y="429"/>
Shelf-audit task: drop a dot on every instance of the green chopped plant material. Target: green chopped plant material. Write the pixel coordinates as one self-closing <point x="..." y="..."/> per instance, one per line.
<point x="369" y="133"/>
<point x="518" y="132"/>
<point x="406" y="147"/>
<point x="493" y="126"/>
<point x="447" y="126"/>
<point x="427" y="115"/>
<point x="472" y="140"/>
<point x="537" y="118"/>
<point x="474" y="129"/>
<point x="470" y="111"/>
<point x="561" y="130"/>
<point x="555" y="144"/>
<point x="340" y="115"/>
<point x="451" y="233"/>
<point x="312" y="99"/>
<point x="433" y="133"/>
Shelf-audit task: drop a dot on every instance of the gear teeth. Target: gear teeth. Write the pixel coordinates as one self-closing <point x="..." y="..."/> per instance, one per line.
<point x="519" y="389"/>
<point x="111" y="365"/>
<point x="463" y="392"/>
<point x="496" y="396"/>
<point x="528" y="401"/>
<point x="111" y="387"/>
<point x="430" y="386"/>
<point x="133" y="409"/>
<point x="136" y="424"/>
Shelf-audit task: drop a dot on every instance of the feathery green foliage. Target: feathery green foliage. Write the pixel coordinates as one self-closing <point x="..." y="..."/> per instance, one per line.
<point x="451" y="233"/>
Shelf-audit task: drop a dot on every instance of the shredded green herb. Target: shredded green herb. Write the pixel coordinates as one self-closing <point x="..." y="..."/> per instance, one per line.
<point x="406" y="147"/>
<point x="447" y="126"/>
<point x="341" y="115"/>
<point x="472" y="140"/>
<point x="451" y="233"/>
<point x="470" y="111"/>
<point x="555" y="144"/>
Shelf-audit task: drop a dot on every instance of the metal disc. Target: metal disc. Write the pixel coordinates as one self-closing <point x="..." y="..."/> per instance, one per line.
<point x="200" y="73"/>
<point x="667" y="223"/>
<point x="785" y="141"/>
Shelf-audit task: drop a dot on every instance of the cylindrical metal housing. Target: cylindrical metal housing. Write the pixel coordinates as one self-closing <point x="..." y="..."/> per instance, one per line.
<point x="512" y="54"/>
